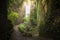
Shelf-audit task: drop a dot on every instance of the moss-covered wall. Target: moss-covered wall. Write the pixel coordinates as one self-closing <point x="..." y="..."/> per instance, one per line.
<point x="52" y="19"/>
<point x="16" y="6"/>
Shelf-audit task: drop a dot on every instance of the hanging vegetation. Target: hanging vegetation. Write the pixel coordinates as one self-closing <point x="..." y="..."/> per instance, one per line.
<point x="13" y="7"/>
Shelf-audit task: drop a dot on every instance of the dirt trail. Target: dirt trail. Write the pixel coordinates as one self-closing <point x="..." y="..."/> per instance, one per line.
<point x="16" y="35"/>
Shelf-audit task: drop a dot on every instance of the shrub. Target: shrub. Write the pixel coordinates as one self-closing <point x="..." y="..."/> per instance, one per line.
<point x="25" y="29"/>
<point x="13" y="16"/>
<point x="26" y="19"/>
<point x="22" y="27"/>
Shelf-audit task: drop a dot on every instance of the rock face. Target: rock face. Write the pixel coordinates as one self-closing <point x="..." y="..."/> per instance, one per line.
<point x="21" y="14"/>
<point x="5" y="24"/>
<point x="52" y="18"/>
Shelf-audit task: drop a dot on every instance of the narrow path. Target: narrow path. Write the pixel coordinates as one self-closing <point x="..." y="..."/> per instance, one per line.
<point x="16" y="35"/>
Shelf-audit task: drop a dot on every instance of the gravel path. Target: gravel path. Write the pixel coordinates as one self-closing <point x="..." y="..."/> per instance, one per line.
<point x="16" y="35"/>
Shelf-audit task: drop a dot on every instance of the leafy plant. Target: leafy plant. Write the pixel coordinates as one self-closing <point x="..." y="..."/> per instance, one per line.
<point x="22" y="27"/>
<point x="13" y="16"/>
<point x="27" y="31"/>
<point x="26" y="19"/>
